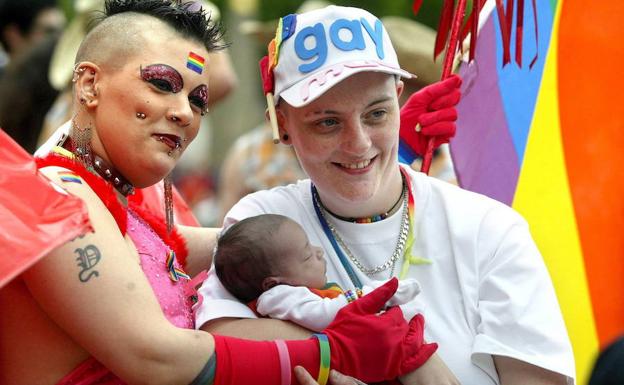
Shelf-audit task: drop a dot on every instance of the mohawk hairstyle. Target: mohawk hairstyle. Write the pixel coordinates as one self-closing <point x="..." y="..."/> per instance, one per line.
<point x="183" y="17"/>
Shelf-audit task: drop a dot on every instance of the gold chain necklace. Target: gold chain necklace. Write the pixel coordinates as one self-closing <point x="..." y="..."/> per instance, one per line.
<point x="399" y="249"/>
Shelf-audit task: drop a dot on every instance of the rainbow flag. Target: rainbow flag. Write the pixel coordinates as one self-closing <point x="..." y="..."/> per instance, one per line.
<point x="547" y="142"/>
<point x="195" y="62"/>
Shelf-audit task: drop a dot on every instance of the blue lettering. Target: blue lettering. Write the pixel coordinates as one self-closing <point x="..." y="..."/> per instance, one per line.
<point x="319" y="50"/>
<point x="357" y="40"/>
<point x="376" y="35"/>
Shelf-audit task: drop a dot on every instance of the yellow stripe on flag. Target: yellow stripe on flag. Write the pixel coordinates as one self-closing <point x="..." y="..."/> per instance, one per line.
<point x="543" y="198"/>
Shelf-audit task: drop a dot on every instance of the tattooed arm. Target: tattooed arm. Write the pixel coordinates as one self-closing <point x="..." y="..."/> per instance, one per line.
<point x="93" y="288"/>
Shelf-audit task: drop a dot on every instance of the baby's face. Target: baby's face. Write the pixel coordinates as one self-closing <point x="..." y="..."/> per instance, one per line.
<point x="303" y="264"/>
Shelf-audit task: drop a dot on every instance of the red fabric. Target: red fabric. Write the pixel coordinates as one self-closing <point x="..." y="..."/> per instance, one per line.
<point x="377" y="347"/>
<point x="35" y="217"/>
<point x="433" y="107"/>
<point x="444" y="27"/>
<point x="257" y="362"/>
<point x="102" y="188"/>
<point x="416" y="6"/>
<point x="267" y="75"/>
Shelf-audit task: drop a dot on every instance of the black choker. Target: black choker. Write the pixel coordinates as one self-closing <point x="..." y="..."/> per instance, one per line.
<point x="109" y="173"/>
<point x="374" y="218"/>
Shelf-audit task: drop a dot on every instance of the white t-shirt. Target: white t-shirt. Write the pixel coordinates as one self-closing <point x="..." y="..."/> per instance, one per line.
<point x="487" y="291"/>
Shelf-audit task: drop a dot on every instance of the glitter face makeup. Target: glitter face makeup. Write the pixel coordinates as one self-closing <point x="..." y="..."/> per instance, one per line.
<point x="199" y="97"/>
<point x="163" y="77"/>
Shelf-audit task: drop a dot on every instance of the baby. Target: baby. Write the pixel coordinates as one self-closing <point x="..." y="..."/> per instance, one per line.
<point x="268" y="262"/>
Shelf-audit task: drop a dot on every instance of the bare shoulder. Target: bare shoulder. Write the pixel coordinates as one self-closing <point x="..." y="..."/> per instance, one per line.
<point x="72" y="183"/>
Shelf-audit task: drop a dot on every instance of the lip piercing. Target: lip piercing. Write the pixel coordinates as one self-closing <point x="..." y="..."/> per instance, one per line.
<point x="140" y="115"/>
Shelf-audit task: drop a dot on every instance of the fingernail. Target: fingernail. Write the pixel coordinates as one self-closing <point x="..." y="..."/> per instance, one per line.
<point x="418" y="128"/>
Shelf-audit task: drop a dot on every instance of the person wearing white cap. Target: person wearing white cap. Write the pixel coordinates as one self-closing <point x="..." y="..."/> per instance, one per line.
<point x="332" y="81"/>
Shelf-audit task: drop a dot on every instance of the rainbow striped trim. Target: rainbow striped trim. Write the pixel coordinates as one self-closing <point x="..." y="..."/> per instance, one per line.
<point x="325" y="358"/>
<point x="69" y="177"/>
<point x="175" y="273"/>
<point x="195" y="62"/>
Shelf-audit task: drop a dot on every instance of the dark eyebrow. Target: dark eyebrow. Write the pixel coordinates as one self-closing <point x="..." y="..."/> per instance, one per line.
<point x="333" y="112"/>
<point x="380" y="100"/>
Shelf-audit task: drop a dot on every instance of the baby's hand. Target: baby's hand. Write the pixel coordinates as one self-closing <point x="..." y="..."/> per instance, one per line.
<point x="408" y="289"/>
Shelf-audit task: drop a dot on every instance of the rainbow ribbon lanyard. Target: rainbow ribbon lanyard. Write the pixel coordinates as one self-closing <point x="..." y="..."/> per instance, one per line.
<point x="343" y="258"/>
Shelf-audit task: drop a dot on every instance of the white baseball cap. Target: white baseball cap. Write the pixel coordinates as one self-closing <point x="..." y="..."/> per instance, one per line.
<point x="316" y="50"/>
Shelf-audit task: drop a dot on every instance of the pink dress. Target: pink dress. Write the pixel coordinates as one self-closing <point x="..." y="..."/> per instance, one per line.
<point x="174" y="297"/>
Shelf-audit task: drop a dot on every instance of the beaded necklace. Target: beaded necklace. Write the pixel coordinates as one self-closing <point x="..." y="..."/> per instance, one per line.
<point x="372" y="219"/>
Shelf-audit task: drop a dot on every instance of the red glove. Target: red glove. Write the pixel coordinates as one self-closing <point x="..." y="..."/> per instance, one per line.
<point x="364" y="344"/>
<point x="376" y="347"/>
<point x="433" y="107"/>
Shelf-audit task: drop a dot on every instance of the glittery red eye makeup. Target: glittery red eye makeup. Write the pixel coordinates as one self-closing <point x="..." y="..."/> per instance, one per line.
<point x="163" y="77"/>
<point x="199" y="97"/>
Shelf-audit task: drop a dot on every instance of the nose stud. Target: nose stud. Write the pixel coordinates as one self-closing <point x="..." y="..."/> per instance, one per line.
<point x="140" y="115"/>
<point x="174" y="118"/>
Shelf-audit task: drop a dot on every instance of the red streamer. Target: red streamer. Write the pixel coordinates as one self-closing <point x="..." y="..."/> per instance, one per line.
<point x="450" y="23"/>
<point x="519" y="26"/>
<point x="443" y="27"/>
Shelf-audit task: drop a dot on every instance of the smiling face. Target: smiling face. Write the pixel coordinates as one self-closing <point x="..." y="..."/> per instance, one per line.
<point x="149" y="109"/>
<point x="301" y="264"/>
<point x="347" y="140"/>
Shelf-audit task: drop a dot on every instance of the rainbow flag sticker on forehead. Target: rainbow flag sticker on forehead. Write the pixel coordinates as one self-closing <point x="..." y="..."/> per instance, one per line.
<point x="195" y="62"/>
<point x="313" y="51"/>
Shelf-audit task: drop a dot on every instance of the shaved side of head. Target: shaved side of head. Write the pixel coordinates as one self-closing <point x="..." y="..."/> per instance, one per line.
<point x="117" y="39"/>
<point x="127" y="25"/>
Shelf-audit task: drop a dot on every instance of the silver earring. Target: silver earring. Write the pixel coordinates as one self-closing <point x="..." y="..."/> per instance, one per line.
<point x="77" y="72"/>
<point x="140" y="115"/>
<point x="81" y="136"/>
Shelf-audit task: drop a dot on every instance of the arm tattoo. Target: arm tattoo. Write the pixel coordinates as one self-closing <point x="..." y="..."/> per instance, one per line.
<point x="88" y="257"/>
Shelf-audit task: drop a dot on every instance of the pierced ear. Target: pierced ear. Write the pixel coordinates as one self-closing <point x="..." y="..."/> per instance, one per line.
<point x="283" y="134"/>
<point x="270" y="282"/>
<point x="87" y="76"/>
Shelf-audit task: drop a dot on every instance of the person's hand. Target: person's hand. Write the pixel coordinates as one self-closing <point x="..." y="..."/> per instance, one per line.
<point x="335" y="378"/>
<point x="432" y="372"/>
<point x="432" y="109"/>
<point x="376" y="347"/>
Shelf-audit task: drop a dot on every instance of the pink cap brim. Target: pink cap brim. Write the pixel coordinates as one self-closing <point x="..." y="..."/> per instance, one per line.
<point x="313" y="86"/>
